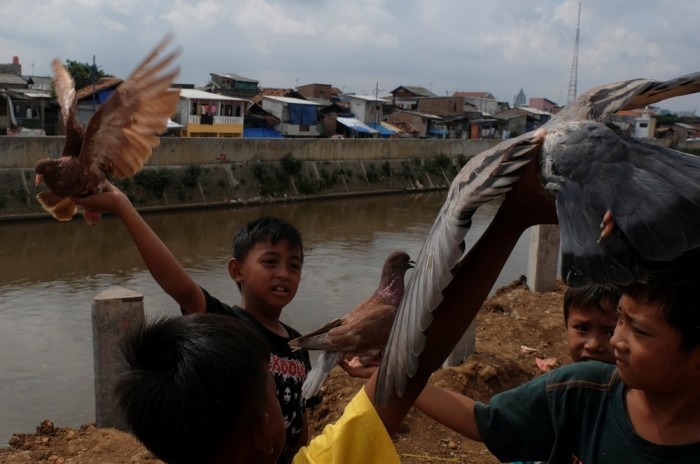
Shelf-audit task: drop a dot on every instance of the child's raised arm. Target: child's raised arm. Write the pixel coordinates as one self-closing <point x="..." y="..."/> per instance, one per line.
<point x="161" y="263"/>
<point x="526" y="204"/>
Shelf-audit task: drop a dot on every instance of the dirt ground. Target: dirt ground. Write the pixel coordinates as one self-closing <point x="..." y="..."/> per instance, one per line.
<point x="514" y="328"/>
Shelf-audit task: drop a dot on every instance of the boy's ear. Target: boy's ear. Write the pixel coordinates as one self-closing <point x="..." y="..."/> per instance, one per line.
<point x="234" y="270"/>
<point x="261" y="434"/>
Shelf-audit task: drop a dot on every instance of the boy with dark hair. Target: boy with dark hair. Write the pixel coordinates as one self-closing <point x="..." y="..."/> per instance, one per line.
<point x="266" y="266"/>
<point x="197" y="389"/>
<point x="590" y="317"/>
<point x="645" y="409"/>
<point x="178" y="415"/>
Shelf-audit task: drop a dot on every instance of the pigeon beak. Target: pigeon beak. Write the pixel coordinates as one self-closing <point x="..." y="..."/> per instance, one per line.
<point x="38" y="179"/>
<point x="411" y="264"/>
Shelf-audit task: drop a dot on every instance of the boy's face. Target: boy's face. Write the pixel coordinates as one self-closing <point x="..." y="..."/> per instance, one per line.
<point x="647" y="349"/>
<point x="269" y="275"/>
<point x="588" y="332"/>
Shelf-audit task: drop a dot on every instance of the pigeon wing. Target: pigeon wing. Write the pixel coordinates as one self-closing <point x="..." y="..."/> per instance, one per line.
<point x="316" y="340"/>
<point x="486" y="176"/>
<point x="601" y="102"/>
<point x="122" y="133"/>
<point x="652" y="192"/>
<point x="64" y="86"/>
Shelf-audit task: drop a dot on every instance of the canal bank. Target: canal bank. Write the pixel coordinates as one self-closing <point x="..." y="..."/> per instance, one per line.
<point x="209" y="172"/>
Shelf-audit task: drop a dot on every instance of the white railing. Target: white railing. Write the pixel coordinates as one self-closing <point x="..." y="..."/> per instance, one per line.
<point x="194" y="119"/>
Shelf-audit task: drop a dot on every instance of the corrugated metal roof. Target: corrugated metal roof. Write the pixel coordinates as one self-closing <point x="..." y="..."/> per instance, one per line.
<point x="289" y="100"/>
<point x="356" y="125"/>
<point x="102" y="83"/>
<point x="235" y="77"/>
<point x="202" y="95"/>
<point x="12" y="79"/>
<point x="33" y="93"/>
<point x="416" y="90"/>
<point x="368" y="98"/>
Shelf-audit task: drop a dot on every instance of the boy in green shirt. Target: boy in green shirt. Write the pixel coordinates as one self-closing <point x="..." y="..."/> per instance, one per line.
<point x="646" y="408"/>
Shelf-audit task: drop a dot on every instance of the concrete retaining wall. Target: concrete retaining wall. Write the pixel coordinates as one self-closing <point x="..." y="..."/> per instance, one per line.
<point x="196" y="172"/>
<point x="23" y="152"/>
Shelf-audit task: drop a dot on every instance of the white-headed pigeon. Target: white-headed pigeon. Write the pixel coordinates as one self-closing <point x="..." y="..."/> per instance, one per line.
<point x="118" y="139"/>
<point x="363" y="331"/>
<point x="621" y="203"/>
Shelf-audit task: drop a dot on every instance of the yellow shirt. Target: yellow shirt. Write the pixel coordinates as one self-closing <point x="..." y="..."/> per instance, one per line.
<point x="358" y="437"/>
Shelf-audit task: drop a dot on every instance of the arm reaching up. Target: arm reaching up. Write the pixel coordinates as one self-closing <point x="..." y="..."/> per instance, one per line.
<point x="161" y="263"/>
<point x="526" y="204"/>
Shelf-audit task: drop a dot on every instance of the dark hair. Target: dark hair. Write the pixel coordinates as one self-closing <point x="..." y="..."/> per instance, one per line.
<point x="676" y="291"/>
<point x="589" y="296"/>
<point x="263" y="229"/>
<point x="191" y="383"/>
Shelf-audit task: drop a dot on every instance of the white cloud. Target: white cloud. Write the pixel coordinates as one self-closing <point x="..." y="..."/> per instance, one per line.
<point x="499" y="46"/>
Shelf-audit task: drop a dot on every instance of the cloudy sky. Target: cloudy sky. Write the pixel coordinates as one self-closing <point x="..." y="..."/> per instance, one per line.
<point x="499" y="46"/>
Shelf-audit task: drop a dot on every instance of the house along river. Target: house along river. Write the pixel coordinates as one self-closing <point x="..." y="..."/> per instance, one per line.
<point x="50" y="272"/>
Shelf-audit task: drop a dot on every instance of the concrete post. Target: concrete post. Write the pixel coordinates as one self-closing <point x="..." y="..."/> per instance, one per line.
<point x="543" y="258"/>
<point x="114" y="312"/>
<point x="464" y="348"/>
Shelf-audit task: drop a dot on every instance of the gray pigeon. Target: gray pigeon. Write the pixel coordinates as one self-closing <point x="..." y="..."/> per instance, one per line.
<point x="361" y="332"/>
<point x="622" y="204"/>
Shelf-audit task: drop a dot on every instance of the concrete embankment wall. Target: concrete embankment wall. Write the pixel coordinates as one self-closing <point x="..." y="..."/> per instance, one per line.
<point x="196" y="172"/>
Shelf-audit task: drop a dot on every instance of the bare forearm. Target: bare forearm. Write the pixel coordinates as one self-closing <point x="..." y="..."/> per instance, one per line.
<point x="468" y="290"/>
<point x="451" y="409"/>
<point x="160" y="261"/>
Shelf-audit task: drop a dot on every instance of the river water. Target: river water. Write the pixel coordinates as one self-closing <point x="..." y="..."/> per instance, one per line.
<point x="50" y="272"/>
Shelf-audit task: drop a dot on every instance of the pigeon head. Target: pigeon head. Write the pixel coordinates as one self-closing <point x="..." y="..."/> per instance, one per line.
<point x="43" y="168"/>
<point x="391" y="283"/>
<point x="398" y="263"/>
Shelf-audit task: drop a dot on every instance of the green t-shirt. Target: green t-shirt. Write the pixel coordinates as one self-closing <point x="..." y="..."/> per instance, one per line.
<point x="574" y="414"/>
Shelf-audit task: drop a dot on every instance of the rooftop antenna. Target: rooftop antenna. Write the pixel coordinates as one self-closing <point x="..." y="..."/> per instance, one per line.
<point x="574" y="63"/>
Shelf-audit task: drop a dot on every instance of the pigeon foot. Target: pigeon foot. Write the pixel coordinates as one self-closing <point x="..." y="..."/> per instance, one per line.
<point x="607" y="225"/>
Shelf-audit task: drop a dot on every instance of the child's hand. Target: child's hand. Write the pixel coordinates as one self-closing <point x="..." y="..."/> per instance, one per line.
<point x="109" y="200"/>
<point x="353" y="366"/>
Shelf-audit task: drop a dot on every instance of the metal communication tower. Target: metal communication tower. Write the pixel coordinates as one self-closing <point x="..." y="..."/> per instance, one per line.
<point x="574" y="63"/>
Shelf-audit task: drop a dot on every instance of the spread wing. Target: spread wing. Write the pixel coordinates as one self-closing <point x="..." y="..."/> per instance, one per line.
<point x="64" y="86"/>
<point x="652" y="192"/>
<point x="486" y="176"/>
<point x="122" y="133"/>
<point x="600" y="102"/>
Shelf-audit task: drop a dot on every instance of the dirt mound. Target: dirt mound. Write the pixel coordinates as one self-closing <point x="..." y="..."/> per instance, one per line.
<point x="514" y="327"/>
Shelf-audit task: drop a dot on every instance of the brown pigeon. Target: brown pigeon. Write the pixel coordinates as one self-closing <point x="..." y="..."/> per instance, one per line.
<point x="118" y="139"/>
<point x="361" y="332"/>
<point x="623" y="206"/>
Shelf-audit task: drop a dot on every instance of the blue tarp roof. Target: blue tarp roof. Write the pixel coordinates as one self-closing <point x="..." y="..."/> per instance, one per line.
<point x="261" y="133"/>
<point x="356" y="125"/>
<point x="383" y="131"/>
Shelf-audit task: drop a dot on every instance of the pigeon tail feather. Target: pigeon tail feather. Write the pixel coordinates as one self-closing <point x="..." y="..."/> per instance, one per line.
<point x="62" y="209"/>
<point x="325" y="362"/>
